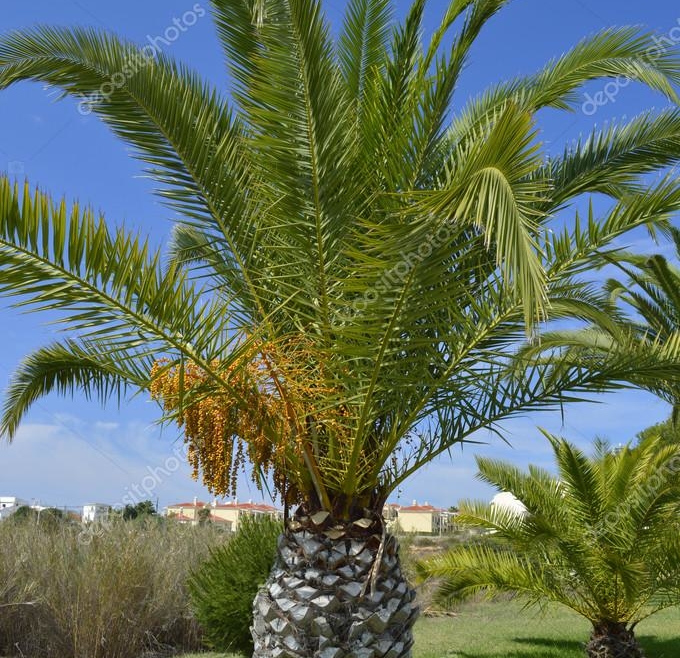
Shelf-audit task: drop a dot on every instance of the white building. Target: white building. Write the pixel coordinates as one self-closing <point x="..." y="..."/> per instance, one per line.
<point x="95" y="512"/>
<point x="424" y="519"/>
<point x="9" y="505"/>
<point x="507" y="501"/>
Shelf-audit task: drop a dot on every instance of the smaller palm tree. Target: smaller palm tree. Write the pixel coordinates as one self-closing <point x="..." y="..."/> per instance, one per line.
<point x="601" y="537"/>
<point x="646" y="305"/>
<point x="652" y="292"/>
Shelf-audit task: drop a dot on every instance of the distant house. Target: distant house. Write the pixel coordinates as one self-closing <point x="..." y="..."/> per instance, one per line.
<point x="506" y="500"/>
<point x="228" y="515"/>
<point x="224" y="524"/>
<point x="185" y="512"/>
<point x="234" y="512"/>
<point x="391" y="514"/>
<point x="95" y="512"/>
<point x="9" y="505"/>
<point x="424" y="518"/>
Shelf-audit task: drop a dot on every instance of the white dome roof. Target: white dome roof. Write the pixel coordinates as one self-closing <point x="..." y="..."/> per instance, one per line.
<point x="507" y="501"/>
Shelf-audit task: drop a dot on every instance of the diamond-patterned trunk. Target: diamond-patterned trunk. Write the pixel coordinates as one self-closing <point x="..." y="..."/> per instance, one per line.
<point x="613" y="640"/>
<point x="325" y="599"/>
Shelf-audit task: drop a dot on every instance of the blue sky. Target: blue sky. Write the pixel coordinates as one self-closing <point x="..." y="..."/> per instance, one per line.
<point x="70" y="452"/>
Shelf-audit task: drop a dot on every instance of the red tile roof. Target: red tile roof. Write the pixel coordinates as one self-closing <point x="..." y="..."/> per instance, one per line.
<point x="255" y="507"/>
<point x="420" y="508"/>
<point x="198" y="504"/>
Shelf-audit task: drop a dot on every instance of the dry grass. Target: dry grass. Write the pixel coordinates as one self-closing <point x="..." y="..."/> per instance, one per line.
<point x="117" y="595"/>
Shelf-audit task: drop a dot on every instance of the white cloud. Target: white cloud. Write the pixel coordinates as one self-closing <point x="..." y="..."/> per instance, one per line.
<point x="106" y="427"/>
<point x="72" y="465"/>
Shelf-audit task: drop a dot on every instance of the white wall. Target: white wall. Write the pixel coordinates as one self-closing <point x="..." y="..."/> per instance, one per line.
<point x="95" y="512"/>
<point x="9" y="505"/>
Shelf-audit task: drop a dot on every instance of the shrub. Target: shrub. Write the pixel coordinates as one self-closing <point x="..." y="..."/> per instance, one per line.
<point x="50" y="518"/>
<point x="223" y="588"/>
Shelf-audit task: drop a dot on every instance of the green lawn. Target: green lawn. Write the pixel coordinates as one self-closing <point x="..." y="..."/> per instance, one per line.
<point x="504" y="630"/>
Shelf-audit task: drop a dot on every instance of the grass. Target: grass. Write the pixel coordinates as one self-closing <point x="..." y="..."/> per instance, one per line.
<point x="114" y="592"/>
<point x="505" y="630"/>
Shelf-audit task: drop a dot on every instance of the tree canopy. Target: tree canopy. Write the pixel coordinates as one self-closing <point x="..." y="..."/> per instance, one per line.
<point x="353" y="265"/>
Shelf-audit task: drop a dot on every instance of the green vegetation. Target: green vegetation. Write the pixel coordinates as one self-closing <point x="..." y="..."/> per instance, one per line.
<point x="223" y="588"/>
<point x="142" y="509"/>
<point x="667" y="431"/>
<point x="50" y="518"/>
<point x="204" y="515"/>
<point x="506" y="630"/>
<point x="601" y="537"/>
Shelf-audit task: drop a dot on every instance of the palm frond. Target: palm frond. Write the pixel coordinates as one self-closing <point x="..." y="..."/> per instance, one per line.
<point x="611" y="161"/>
<point x="611" y="53"/>
<point x="70" y="367"/>
<point x="362" y="49"/>
<point x="177" y="124"/>
<point x="604" y="554"/>
<point x="107" y="288"/>
<point x="488" y="186"/>
<point x="488" y="571"/>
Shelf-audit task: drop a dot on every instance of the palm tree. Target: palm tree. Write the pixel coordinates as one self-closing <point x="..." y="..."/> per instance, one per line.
<point x="650" y="298"/>
<point x="652" y="292"/>
<point x="350" y="269"/>
<point x="600" y="537"/>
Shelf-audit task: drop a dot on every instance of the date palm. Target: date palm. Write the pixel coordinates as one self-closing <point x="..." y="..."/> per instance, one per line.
<point x="650" y="297"/>
<point x="350" y="269"/>
<point x="652" y="292"/>
<point x="600" y="537"/>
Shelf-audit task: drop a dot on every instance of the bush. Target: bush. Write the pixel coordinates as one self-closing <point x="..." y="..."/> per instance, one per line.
<point x="223" y="588"/>
<point x="113" y="592"/>
<point x="50" y="518"/>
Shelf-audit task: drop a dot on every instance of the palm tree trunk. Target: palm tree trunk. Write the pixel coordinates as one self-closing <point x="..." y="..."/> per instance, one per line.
<point x="613" y="640"/>
<point x="335" y="596"/>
